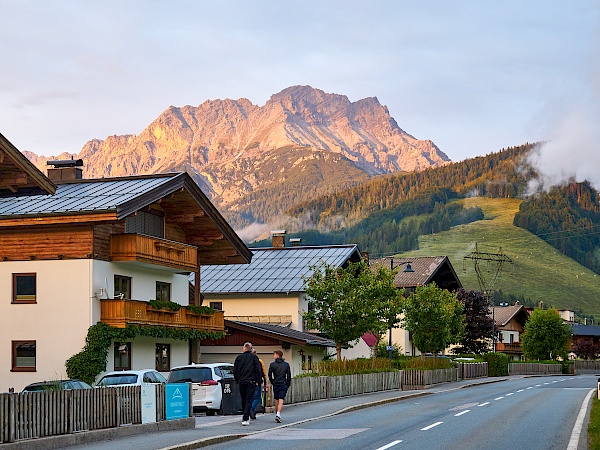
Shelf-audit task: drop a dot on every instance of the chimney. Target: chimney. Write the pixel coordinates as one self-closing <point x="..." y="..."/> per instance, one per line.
<point x="65" y="169"/>
<point x="295" y="242"/>
<point x="278" y="238"/>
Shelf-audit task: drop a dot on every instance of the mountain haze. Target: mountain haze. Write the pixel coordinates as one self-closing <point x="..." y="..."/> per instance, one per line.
<point x="235" y="149"/>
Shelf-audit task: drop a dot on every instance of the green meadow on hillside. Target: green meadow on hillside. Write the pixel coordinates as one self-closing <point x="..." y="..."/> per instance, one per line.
<point x="538" y="272"/>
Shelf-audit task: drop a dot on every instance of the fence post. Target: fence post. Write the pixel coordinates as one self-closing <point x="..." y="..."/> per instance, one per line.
<point x="70" y="413"/>
<point x="118" y="403"/>
<point x="12" y="418"/>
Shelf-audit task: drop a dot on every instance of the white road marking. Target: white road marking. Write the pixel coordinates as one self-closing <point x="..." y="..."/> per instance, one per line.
<point x="499" y="398"/>
<point x="530" y="387"/>
<point x="429" y="427"/>
<point x="462" y="412"/>
<point x="537" y="385"/>
<point x="391" y="444"/>
<point x="546" y="383"/>
<point x="520" y="390"/>
<point x="306" y="434"/>
<point x="555" y="381"/>
<point x="483" y="404"/>
<point x="512" y="393"/>
<point x="576" y="433"/>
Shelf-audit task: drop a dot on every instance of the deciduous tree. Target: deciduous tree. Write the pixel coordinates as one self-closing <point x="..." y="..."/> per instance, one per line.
<point x="434" y="317"/>
<point x="546" y="335"/>
<point x="478" y="329"/>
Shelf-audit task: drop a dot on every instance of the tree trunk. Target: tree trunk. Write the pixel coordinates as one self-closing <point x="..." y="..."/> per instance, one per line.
<point x="338" y="350"/>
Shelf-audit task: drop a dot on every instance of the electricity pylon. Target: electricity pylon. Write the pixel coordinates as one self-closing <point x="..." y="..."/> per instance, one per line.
<point x="487" y="286"/>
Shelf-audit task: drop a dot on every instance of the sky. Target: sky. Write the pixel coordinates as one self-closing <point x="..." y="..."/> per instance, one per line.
<point x="472" y="76"/>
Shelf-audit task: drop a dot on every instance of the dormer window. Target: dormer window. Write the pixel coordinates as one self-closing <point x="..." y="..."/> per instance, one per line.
<point x="148" y="223"/>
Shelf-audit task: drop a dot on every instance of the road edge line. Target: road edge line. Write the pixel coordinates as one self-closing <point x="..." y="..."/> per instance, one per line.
<point x="576" y="433"/>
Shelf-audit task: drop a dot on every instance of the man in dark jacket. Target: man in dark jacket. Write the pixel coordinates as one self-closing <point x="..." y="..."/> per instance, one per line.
<point x="246" y="372"/>
<point x="280" y="377"/>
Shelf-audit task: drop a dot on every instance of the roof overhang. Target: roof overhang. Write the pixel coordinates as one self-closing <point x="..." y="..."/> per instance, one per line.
<point x="19" y="175"/>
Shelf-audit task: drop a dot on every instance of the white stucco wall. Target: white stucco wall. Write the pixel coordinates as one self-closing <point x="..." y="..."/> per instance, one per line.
<point x="58" y="322"/>
<point x="261" y="305"/>
<point x="68" y="293"/>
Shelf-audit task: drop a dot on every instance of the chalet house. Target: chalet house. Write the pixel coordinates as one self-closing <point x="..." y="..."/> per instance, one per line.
<point x="509" y="323"/>
<point x="414" y="272"/>
<point x="76" y="252"/>
<point x="583" y="334"/>
<point x="264" y="301"/>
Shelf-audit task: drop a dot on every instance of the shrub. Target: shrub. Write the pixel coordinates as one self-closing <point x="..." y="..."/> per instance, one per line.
<point x="497" y="364"/>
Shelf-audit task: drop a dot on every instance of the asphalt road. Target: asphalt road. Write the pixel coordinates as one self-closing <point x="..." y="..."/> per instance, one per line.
<point x="527" y="413"/>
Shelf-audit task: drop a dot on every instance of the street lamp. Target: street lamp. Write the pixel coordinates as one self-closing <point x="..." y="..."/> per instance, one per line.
<point x="407" y="269"/>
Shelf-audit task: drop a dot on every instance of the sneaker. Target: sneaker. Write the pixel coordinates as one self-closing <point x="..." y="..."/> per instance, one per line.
<point x="252" y="414"/>
<point x="245" y="422"/>
<point x="278" y="419"/>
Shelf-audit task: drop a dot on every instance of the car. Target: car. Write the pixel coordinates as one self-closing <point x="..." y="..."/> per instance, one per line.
<point x="131" y="378"/>
<point x="56" y="385"/>
<point x="207" y="394"/>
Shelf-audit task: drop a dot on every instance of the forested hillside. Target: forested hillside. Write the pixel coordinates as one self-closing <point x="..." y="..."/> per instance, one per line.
<point x="568" y="218"/>
<point x="498" y="174"/>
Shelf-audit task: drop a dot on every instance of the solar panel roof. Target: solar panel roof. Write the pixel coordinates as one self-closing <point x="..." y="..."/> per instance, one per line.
<point x="83" y="196"/>
<point x="273" y="270"/>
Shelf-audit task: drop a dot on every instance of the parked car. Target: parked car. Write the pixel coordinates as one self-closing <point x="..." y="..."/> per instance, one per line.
<point x="57" y="385"/>
<point x="207" y="394"/>
<point x="131" y="378"/>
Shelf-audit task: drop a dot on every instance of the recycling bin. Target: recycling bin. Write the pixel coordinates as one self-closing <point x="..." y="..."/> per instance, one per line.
<point x="231" y="401"/>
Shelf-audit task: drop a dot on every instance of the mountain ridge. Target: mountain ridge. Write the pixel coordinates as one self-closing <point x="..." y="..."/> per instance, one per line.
<point x="222" y="144"/>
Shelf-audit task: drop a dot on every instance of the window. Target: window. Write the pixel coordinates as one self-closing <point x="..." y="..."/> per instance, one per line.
<point x="216" y="305"/>
<point x="122" y="287"/>
<point x="24" y="288"/>
<point x="23" y="356"/>
<point x="163" y="357"/>
<point x="163" y="291"/>
<point x="123" y="356"/>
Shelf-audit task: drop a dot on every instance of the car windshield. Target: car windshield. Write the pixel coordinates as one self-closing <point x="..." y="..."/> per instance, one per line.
<point x="112" y="380"/>
<point x="190" y="374"/>
<point x="226" y="371"/>
<point x="43" y="387"/>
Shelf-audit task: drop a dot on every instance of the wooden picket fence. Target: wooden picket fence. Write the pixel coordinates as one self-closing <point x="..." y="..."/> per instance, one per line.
<point x="49" y="413"/>
<point x="589" y="367"/>
<point x="420" y="379"/>
<point x="468" y="371"/>
<point x="534" y="369"/>
<point x="306" y="389"/>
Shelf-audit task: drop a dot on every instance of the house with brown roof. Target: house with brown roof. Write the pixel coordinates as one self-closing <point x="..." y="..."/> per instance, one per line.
<point x="413" y="272"/>
<point x="76" y="252"/>
<point x="509" y="324"/>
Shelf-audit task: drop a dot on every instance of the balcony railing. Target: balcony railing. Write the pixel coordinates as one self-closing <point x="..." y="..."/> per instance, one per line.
<point x="153" y="250"/>
<point x="515" y="347"/>
<point x="122" y="312"/>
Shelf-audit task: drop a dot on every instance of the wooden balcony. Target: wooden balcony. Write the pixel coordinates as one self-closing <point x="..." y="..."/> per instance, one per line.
<point x="506" y="347"/>
<point x="122" y="312"/>
<point x="153" y="250"/>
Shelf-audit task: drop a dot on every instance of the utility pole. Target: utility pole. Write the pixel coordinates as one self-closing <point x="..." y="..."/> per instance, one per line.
<point x="487" y="286"/>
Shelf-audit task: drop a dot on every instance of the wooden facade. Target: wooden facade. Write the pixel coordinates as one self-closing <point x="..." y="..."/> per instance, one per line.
<point x="122" y="312"/>
<point x="152" y="250"/>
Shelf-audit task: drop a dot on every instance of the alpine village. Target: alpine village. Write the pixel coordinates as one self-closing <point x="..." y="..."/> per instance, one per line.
<point x="311" y="225"/>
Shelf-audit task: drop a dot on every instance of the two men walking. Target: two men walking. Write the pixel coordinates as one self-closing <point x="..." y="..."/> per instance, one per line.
<point x="248" y="372"/>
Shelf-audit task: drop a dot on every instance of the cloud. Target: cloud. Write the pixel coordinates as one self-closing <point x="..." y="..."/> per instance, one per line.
<point x="572" y="150"/>
<point x="253" y="231"/>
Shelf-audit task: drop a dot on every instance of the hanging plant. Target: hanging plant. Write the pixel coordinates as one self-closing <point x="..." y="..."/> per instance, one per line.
<point x="92" y="359"/>
<point x="200" y="309"/>
<point x="164" y="304"/>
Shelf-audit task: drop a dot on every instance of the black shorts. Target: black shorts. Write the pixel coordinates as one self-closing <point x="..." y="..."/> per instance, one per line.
<point x="279" y="391"/>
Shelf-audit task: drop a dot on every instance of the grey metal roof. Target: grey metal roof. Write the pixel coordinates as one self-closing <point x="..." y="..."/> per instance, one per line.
<point x="274" y="270"/>
<point x="585" y="330"/>
<point x="285" y="332"/>
<point x="83" y="196"/>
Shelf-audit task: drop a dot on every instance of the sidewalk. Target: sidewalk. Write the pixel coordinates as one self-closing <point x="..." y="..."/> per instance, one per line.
<point x="213" y="429"/>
